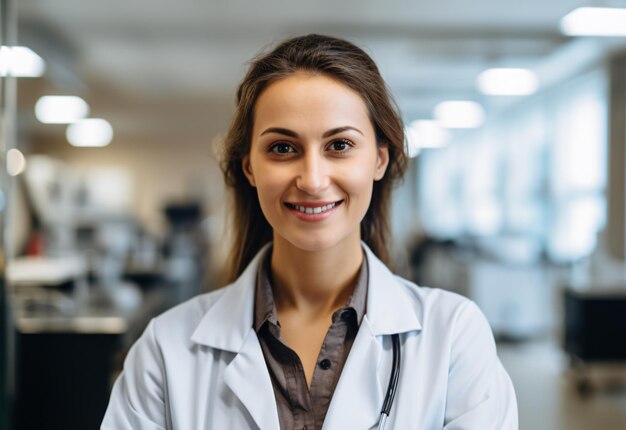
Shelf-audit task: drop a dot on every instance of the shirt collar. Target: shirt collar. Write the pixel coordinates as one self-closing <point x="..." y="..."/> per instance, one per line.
<point x="358" y="299"/>
<point x="264" y="305"/>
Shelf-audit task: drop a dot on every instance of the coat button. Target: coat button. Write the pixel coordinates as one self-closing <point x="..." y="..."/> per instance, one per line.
<point x="325" y="364"/>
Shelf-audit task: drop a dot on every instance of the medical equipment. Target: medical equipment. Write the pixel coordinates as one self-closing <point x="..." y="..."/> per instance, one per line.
<point x="393" y="382"/>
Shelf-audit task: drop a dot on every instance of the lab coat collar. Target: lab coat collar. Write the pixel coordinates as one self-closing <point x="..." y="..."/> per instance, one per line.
<point x="228" y="322"/>
<point x="391" y="306"/>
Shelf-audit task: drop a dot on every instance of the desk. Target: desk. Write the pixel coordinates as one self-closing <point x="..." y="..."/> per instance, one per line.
<point x="67" y="362"/>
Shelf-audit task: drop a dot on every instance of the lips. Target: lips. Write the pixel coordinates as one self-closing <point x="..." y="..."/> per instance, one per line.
<point x="313" y="210"/>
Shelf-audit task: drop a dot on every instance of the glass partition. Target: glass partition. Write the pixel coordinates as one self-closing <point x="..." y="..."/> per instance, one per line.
<point x="538" y="171"/>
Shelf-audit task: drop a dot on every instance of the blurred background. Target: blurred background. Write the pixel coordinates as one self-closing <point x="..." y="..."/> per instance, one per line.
<point x="113" y="208"/>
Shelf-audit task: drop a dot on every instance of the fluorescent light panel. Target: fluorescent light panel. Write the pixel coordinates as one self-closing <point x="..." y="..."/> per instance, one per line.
<point x="21" y="62"/>
<point x="507" y="82"/>
<point x="595" y="21"/>
<point x="459" y="114"/>
<point x="61" y="109"/>
<point x="425" y="133"/>
<point x="90" y="132"/>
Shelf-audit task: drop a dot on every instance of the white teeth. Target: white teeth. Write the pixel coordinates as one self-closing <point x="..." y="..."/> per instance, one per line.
<point x="316" y="210"/>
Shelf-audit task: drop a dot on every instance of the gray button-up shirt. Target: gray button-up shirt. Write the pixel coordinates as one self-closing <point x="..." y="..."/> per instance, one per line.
<point x="299" y="407"/>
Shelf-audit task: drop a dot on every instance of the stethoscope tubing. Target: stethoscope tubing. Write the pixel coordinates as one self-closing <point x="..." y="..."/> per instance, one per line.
<point x="393" y="382"/>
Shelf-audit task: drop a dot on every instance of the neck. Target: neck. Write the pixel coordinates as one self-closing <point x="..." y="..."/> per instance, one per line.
<point x="314" y="282"/>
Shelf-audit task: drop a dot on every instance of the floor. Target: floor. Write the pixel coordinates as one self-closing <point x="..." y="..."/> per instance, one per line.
<point x="547" y="395"/>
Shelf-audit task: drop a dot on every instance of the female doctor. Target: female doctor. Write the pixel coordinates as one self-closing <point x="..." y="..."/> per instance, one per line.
<point x="315" y="331"/>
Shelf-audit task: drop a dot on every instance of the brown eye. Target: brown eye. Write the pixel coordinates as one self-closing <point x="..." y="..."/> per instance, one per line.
<point x="341" y="145"/>
<point x="281" y="148"/>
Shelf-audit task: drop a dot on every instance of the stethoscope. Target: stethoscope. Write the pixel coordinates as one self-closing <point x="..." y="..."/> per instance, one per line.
<point x="393" y="382"/>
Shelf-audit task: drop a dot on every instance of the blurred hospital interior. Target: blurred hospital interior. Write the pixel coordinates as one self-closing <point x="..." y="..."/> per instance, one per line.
<point x="113" y="207"/>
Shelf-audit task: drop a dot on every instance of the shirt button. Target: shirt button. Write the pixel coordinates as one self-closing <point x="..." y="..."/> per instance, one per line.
<point x="325" y="364"/>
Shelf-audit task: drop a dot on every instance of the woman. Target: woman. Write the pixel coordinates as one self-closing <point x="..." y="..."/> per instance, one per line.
<point x="302" y="339"/>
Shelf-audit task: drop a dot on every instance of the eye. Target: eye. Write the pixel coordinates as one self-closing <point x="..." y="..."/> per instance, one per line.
<point x="340" y="145"/>
<point x="281" y="148"/>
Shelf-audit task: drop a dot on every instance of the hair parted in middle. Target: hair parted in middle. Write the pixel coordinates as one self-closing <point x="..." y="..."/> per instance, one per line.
<point x="339" y="60"/>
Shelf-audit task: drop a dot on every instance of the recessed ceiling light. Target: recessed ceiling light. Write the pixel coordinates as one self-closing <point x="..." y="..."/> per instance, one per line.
<point x="21" y="62"/>
<point x="459" y="114"/>
<point x="595" y="21"/>
<point x="61" y="109"/>
<point x="16" y="163"/>
<point x="90" y="132"/>
<point x="507" y="82"/>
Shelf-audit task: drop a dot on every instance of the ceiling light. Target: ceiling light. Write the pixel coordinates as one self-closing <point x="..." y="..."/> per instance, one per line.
<point x="21" y="62"/>
<point x="425" y="133"/>
<point x="595" y="21"/>
<point x="507" y="82"/>
<point x="411" y="142"/>
<point x="61" y="109"/>
<point x="90" y="132"/>
<point x="16" y="163"/>
<point x="459" y="114"/>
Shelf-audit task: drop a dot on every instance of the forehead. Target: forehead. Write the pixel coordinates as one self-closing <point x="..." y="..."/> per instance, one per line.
<point x="311" y="100"/>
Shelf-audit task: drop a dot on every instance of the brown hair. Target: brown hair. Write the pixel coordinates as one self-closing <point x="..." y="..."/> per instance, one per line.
<point x="350" y="65"/>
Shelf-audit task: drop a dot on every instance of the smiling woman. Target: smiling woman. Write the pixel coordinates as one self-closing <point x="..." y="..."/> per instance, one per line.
<point x="316" y="67"/>
<point x="313" y="326"/>
<point x="324" y="154"/>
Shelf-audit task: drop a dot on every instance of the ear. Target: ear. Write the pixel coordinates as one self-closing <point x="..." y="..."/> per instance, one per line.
<point x="247" y="170"/>
<point x="382" y="160"/>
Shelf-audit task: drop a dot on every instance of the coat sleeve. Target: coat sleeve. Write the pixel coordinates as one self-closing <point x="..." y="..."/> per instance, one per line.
<point x="137" y="401"/>
<point x="480" y="393"/>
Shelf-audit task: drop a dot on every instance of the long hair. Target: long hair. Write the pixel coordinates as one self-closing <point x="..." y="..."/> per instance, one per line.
<point x="346" y="63"/>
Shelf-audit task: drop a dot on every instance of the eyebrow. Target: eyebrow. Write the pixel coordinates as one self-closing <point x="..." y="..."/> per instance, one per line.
<point x="291" y="133"/>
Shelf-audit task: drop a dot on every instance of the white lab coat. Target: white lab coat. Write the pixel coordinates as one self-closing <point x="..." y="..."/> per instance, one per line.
<point x="200" y="365"/>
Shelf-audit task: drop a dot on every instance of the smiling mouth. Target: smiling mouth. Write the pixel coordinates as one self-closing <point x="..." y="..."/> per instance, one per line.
<point x="314" y="209"/>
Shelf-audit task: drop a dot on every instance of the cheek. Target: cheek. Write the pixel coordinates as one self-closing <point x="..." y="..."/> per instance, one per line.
<point x="358" y="180"/>
<point x="267" y="201"/>
<point x="265" y="177"/>
<point x="270" y="187"/>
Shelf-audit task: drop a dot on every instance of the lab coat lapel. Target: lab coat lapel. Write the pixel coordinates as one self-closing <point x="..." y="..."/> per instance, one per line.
<point x="358" y="396"/>
<point x="248" y="378"/>
<point x="227" y="325"/>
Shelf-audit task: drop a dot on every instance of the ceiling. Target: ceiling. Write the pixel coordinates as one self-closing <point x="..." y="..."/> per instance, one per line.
<point x="151" y="66"/>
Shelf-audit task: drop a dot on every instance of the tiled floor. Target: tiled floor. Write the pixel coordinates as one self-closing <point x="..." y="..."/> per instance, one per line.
<point x="547" y="398"/>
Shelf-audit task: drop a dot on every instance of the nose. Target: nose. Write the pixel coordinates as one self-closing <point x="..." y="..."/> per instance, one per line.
<point x="313" y="175"/>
